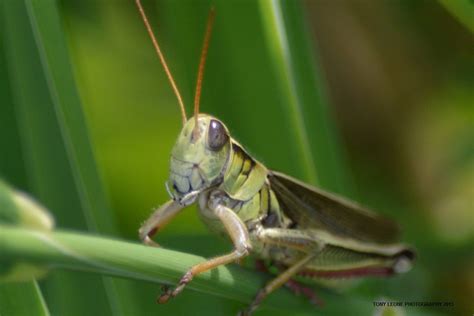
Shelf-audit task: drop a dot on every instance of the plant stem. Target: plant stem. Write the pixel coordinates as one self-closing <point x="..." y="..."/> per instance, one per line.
<point x="77" y="251"/>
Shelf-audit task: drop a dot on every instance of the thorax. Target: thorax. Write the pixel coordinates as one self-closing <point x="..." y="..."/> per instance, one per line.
<point x="246" y="191"/>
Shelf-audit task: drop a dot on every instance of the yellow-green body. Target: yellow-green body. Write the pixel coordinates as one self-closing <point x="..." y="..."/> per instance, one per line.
<point x="242" y="185"/>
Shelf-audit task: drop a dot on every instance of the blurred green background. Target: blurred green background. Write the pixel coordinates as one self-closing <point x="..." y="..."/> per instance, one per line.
<point x="370" y="99"/>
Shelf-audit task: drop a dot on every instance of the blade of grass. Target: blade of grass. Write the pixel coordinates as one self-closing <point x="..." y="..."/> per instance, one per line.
<point x="124" y="259"/>
<point x="66" y="250"/>
<point x="50" y="41"/>
<point x="277" y="39"/>
<point x="22" y="299"/>
<point x="40" y="143"/>
<point x="300" y="80"/>
<point x="59" y="158"/>
<point x="11" y="161"/>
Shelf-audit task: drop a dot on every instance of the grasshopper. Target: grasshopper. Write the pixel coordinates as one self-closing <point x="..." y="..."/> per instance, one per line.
<point x="301" y="229"/>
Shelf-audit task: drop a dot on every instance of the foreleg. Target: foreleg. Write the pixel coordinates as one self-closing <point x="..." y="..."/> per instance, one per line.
<point x="157" y="220"/>
<point x="240" y="237"/>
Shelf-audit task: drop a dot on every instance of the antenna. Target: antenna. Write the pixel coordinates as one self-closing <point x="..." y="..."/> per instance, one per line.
<point x="162" y="60"/>
<point x="202" y="63"/>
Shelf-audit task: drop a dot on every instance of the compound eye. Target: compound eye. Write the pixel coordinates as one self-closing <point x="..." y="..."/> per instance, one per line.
<point x="217" y="136"/>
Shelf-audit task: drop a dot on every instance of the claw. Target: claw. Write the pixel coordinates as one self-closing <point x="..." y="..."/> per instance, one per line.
<point x="149" y="242"/>
<point x="165" y="295"/>
<point x="163" y="298"/>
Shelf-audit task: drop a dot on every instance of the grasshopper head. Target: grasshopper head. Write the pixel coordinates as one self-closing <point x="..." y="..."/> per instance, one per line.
<point x="198" y="158"/>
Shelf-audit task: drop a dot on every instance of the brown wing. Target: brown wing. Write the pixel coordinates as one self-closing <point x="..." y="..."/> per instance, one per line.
<point x="310" y="207"/>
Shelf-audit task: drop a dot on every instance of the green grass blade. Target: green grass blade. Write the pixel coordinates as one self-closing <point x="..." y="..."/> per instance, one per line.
<point x="300" y="79"/>
<point x="282" y="59"/>
<point x="60" y="163"/>
<point x="43" y="155"/>
<point x="12" y="165"/>
<point x="22" y="299"/>
<point x="49" y="38"/>
<point x="66" y="250"/>
<point x="19" y="298"/>
<point x="107" y="256"/>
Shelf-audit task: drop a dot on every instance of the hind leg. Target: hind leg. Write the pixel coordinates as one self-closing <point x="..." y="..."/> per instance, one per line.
<point x="292" y="284"/>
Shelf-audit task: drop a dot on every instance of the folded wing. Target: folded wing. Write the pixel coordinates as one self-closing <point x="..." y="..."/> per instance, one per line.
<point x="311" y="207"/>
